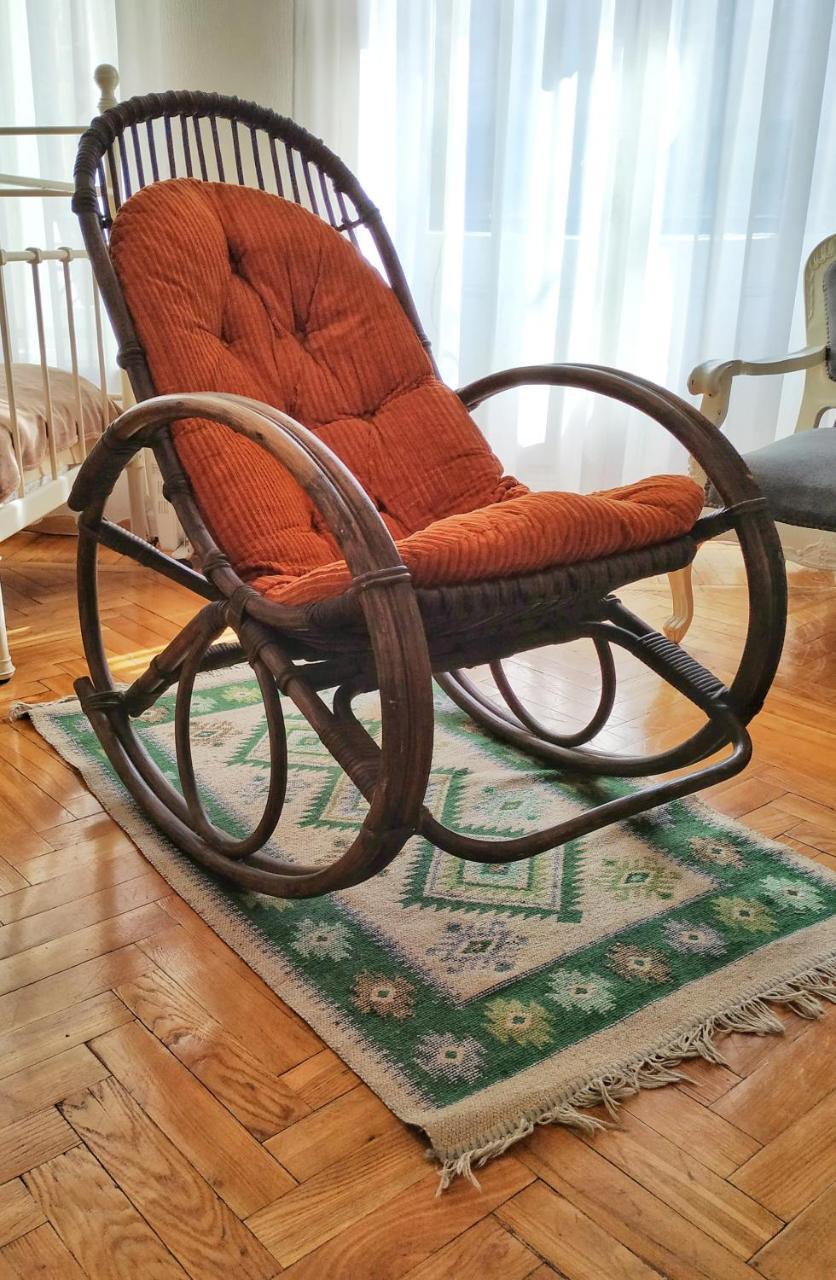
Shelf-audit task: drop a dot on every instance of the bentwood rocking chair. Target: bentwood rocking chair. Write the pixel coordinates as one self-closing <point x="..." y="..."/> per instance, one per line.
<point x="350" y="524"/>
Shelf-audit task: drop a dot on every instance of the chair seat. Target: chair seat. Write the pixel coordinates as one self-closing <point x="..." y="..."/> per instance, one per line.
<point x="479" y="621"/>
<point x="797" y="476"/>
<point x="522" y="535"/>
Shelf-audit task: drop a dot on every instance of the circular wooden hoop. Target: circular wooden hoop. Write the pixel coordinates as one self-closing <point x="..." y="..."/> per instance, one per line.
<point x="392" y="617"/>
<point x="220" y="840"/>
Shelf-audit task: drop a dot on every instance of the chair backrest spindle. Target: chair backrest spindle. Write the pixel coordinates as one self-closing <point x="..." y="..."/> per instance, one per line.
<point x="217" y="145"/>
<point x="256" y="158"/>
<point x="169" y="143"/>
<point x="201" y="154"/>
<point x="236" y="145"/>
<point x="187" y="151"/>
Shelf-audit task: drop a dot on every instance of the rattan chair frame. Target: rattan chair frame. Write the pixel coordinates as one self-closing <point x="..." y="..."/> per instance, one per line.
<point x="383" y="634"/>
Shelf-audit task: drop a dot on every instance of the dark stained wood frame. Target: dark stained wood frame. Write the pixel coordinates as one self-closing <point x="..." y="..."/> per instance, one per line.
<point x="382" y="634"/>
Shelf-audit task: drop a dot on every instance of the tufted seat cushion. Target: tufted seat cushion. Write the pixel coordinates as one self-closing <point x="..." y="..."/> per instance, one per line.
<point x="232" y="289"/>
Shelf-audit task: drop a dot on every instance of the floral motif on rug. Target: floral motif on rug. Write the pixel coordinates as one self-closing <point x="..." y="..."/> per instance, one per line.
<point x="478" y="999"/>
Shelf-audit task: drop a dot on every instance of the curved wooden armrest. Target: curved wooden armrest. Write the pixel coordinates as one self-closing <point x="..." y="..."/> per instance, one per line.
<point x="712" y="380"/>
<point x="715" y="455"/>
<point x="358" y="529"/>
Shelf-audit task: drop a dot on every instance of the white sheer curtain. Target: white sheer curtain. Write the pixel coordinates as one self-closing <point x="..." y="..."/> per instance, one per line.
<point x="48" y="52"/>
<point x="628" y="182"/>
<point x="632" y="182"/>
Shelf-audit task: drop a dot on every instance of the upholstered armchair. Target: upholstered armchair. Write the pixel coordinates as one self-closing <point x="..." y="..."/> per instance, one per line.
<point x="797" y="474"/>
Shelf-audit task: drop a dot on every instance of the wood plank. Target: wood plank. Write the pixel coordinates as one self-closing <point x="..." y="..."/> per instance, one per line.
<point x="228" y="1070"/>
<point x="39" y="1254"/>
<point x="815" y="834"/>
<point x="65" y="953"/>
<point x="84" y="831"/>
<point x="806" y="1249"/>
<point x="176" y="1202"/>
<point x="706" y="1081"/>
<point x="19" y="1213"/>
<point x="320" y="1079"/>
<point x="794" y="1168"/>
<point x="484" y="1252"/>
<point x="738" y="1222"/>
<point x="38" y="810"/>
<point x="811" y="787"/>
<point x="744" y="1051"/>
<point x="719" y="1146"/>
<point x="742" y="795"/>
<point x="31" y="900"/>
<point x="30" y="1141"/>
<point x="48" y="1082"/>
<point x="643" y="1223"/>
<point x="37" y="1041"/>
<point x="256" y="1021"/>
<point x="17" y="839"/>
<point x="42" y="767"/>
<point x="811" y="811"/>
<point x="327" y="1136"/>
<point x="796" y="1076"/>
<point x="378" y="1245"/>
<point x="108" y="902"/>
<point x="10" y="880"/>
<point x="72" y="858"/>
<point x="60" y="990"/>
<point x="241" y="1171"/>
<point x="213" y="944"/>
<point x="577" y="1246"/>
<point x="335" y="1199"/>
<point x="770" y="820"/>
<point x="97" y="1222"/>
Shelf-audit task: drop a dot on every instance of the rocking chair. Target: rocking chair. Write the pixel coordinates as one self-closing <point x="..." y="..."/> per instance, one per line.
<point x="350" y="523"/>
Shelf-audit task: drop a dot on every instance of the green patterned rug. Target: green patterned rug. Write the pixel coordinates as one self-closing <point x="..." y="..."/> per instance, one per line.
<point x="480" y="1000"/>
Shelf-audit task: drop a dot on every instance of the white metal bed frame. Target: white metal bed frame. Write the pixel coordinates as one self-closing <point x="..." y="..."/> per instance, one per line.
<point x="34" y="503"/>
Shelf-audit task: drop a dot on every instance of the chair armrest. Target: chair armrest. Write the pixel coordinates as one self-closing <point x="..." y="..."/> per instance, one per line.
<point x="712" y="451"/>
<point x="348" y="511"/>
<point x="712" y="380"/>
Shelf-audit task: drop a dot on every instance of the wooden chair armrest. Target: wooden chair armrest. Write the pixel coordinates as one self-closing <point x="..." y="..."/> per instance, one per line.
<point x="714" y="454"/>
<point x="713" y="378"/>
<point x="349" y="512"/>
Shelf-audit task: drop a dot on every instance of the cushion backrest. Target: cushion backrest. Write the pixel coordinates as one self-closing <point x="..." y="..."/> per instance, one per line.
<point x="233" y="289"/>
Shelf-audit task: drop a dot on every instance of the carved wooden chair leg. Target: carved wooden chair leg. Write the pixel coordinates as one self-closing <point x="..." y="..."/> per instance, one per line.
<point x="7" y="669"/>
<point x="682" y="595"/>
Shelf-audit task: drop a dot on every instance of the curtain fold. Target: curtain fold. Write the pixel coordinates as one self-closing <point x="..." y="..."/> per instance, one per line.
<point x="627" y="182"/>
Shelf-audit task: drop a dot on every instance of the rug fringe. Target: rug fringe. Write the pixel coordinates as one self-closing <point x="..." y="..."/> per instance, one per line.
<point x="803" y="994"/>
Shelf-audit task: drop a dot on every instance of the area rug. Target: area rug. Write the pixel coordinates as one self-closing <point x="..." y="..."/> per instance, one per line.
<point x="480" y="1000"/>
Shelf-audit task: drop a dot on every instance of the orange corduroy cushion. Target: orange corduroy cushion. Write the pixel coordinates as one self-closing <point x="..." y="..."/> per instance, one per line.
<point x="235" y="290"/>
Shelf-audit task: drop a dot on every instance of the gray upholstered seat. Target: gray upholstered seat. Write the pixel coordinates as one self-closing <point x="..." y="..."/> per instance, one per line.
<point x="798" y="478"/>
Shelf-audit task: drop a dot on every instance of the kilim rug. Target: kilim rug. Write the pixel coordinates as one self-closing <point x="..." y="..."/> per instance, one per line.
<point x="480" y="1000"/>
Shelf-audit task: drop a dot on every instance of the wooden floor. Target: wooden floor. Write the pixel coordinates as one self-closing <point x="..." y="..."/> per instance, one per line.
<point x="162" y="1114"/>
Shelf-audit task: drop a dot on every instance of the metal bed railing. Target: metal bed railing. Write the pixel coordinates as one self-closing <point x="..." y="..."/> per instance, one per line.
<point x="35" y="258"/>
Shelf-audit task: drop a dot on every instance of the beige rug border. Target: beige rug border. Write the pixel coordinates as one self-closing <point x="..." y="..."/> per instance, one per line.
<point x="644" y="1049"/>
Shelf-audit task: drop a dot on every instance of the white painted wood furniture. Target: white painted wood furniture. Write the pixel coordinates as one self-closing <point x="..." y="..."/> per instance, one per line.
<point x="42" y="495"/>
<point x="713" y="380"/>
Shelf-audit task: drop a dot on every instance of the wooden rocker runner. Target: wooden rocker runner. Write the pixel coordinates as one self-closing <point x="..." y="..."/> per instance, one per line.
<point x="351" y="525"/>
